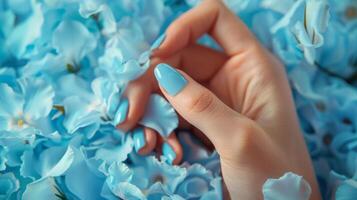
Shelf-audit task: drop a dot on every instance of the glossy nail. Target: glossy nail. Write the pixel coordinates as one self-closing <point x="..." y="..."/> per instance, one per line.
<point x="169" y="78"/>
<point x="139" y="138"/>
<point x="157" y="43"/>
<point x="122" y="111"/>
<point x="168" y="152"/>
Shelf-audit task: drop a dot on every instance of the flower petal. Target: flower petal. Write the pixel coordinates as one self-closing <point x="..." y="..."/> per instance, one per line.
<point x="160" y="116"/>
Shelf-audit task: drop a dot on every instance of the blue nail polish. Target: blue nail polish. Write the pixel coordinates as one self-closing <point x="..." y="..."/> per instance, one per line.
<point x="139" y="139"/>
<point x="170" y="79"/>
<point x="122" y="111"/>
<point x="168" y="152"/>
<point x="158" y="42"/>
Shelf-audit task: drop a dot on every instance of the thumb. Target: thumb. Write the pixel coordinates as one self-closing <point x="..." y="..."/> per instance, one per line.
<point x="198" y="105"/>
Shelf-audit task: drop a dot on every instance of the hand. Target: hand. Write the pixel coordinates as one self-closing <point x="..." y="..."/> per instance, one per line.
<point x="240" y="99"/>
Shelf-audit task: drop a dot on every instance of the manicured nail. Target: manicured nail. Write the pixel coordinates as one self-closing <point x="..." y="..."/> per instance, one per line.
<point x="158" y="42"/>
<point x="139" y="138"/>
<point x="168" y="152"/>
<point x="122" y="111"/>
<point x="169" y="78"/>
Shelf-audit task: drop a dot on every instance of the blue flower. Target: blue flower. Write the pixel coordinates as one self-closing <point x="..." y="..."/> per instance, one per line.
<point x="21" y="111"/>
<point x="125" y="56"/>
<point x="98" y="104"/>
<point x="199" y="183"/>
<point x="156" y="178"/>
<point x="304" y="23"/>
<point x="8" y="184"/>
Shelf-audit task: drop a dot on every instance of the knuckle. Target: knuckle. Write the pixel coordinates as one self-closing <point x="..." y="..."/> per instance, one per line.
<point x="201" y="102"/>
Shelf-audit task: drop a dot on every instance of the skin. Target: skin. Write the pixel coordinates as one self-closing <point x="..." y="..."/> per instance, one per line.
<point x="239" y="99"/>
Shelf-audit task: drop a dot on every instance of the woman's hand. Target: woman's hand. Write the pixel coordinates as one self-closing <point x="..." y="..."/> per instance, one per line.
<point x="240" y="99"/>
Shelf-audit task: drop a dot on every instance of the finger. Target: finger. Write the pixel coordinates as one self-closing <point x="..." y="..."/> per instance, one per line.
<point x="211" y="17"/>
<point x="137" y="93"/>
<point x="198" y="105"/>
<point x="171" y="149"/>
<point x="200" y="62"/>
<point x="144" y="140"/>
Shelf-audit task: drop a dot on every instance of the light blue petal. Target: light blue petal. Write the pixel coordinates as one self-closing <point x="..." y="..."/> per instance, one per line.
<point x="73" y="46"/>
<point x="20" y="7"/>
<point x="20" y="43"/>
<point x="115" y="153"/>
<point x="216" y="193"/>
<point x="289" y="186"/>
<point x="29" y="166"/>
<point x="55" y="161"/>
<point x="8" y="76"/>
<point x="160" y="116"/>
<point x="126" y="190"/>
<point x="90" y="7"/>
<point x="38" y="97"/>
<point x="8" y="184"/>
<point x="196" y="183"/>
<point x="79" y="114"/>
<point x="11" y="102"/>
<point x="3" y="158"/>
<point x="119" y="182"/>
<point x="81" y="180"/>
<point x="347" y="191"/>
<point x="41" y="189"/>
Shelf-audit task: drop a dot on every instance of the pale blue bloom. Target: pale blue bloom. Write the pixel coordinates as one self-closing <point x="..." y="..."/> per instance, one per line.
<point x="156" y="178"/>
<point x="21" y="111"/>
<point x="118" y="181"/>
<point x="197" y="184"/>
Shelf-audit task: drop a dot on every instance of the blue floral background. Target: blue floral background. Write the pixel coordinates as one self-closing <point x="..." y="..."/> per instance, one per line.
<point x="64" y="65"/>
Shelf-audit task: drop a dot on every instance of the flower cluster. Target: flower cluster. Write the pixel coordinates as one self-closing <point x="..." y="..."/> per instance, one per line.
<point x="64" y="65"/>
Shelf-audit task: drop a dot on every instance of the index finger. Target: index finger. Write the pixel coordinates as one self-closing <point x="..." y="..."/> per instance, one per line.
<point x="211" y="17"/>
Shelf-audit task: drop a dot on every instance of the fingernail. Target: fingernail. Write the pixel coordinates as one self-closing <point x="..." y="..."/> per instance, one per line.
<point x="168" y="152"/>
<point x="157" y="43"/>
<point x="169" y="78"/>
<point x="122" y="111"/>
<point x="139" y="139"/>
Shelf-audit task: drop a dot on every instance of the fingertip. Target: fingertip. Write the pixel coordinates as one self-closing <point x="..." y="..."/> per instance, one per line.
<point x="172" y="150"/>
<point x="137" y="94"/>
<point x="150" y="142"/>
